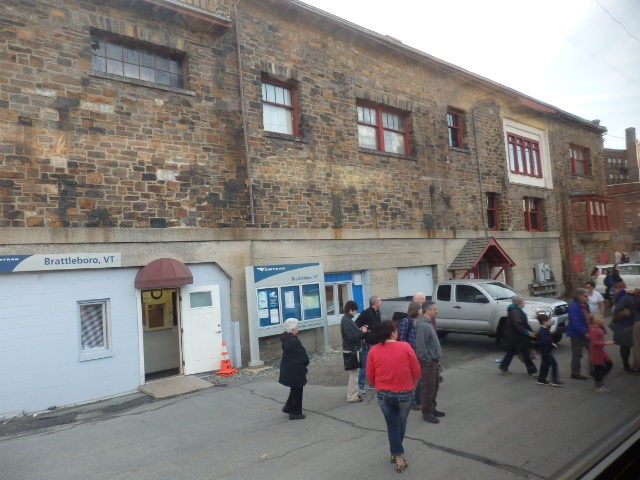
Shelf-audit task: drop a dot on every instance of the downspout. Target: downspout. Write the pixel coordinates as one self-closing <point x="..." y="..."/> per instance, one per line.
<point x="482" y="199"/>
<point x="244" y="119"/>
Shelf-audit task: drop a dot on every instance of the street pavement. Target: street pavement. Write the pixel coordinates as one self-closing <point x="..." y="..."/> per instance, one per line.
<point x="496" y="427"/>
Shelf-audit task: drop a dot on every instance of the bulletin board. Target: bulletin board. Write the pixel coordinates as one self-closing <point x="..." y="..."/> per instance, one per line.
<point x="278" y="292"/>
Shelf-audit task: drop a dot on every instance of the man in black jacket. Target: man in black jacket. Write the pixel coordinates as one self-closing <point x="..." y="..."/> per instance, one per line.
<point x="371" y="318"/>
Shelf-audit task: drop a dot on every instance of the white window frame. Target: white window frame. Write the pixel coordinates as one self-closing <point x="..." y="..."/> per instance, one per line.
<point x="104" y="350"/>
<point x="337" y="317"/>
<point x="540" y="136"/>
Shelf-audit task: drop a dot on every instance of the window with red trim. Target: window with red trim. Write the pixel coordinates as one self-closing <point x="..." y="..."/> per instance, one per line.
<point x="579" y="160"/>
<point x="590" y="214"/>
<point x="279" y="108"/>
<point x="129" y="58"/>
<point x="383" y="129"/>
<point x="532" y="214"/>
<point x="524" y="156"/>
<point x="493" y="212"/>
<point x="454" y="125"/>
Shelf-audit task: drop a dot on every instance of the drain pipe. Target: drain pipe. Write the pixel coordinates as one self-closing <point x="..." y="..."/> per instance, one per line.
<point x="482" y="199"/>
<point x="244" y="119"/>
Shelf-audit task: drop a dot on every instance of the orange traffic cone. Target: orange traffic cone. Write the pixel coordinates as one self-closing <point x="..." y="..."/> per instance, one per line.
<point x="226" y="369"/>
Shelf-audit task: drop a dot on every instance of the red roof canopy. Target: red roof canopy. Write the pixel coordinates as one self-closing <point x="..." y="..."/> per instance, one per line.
<point x="163" y="273"/>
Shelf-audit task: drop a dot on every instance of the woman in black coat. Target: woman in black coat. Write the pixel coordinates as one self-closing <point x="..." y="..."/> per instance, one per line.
<point x="293" y="368"/>
<point x="516" y="337"/>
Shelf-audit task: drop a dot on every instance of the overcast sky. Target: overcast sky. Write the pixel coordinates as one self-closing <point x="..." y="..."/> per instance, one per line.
<point x="582" y="56"/>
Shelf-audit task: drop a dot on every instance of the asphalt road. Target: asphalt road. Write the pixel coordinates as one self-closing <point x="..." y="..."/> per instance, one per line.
<point x="496" y="428"/>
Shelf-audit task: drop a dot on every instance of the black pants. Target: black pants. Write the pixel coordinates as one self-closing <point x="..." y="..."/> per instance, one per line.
<point x="600" y="371"/>
<point x="294" y="402"/>
<point x="625" y="353"/>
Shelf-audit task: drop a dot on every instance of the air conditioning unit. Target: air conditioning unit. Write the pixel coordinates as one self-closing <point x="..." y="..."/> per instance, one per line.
<point x="541" y="272"/>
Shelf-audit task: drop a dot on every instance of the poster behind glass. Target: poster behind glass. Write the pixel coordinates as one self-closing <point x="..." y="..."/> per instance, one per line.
<point x="311" y="301"/>
<point x="290" y="300"/>
<point x="268" y="307"/>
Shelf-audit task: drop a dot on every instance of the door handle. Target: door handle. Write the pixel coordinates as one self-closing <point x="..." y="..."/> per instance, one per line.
<point x="457" y="306"/>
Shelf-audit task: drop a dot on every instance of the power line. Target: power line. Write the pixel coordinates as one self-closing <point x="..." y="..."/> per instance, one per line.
<point x="618" y="22"/>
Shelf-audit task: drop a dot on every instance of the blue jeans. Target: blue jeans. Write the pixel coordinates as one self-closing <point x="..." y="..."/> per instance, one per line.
<point x="362" y="375"/>
<point x="395" y="407"/>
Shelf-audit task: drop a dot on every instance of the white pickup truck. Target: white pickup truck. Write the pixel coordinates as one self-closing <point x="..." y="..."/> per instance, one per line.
<point x="479" y="306"/>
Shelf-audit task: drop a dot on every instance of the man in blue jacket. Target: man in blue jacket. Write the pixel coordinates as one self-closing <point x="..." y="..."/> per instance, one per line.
<point x="578" y="330"/>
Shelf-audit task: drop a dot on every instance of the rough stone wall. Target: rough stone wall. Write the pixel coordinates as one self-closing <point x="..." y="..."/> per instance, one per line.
<point x="79" y="150"/>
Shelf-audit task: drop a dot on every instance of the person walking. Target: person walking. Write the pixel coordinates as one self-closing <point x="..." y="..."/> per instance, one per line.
<point x="517" y="335"/>
<point x="393" y="368"/>
<point x="351" y="345"/>
<point x="428" y="351"/>
<point x="626" y="327"/>
<point x="407" y="333"/>
<point x="578" y="330"/>
<point x="595" y="299"/>
<point x="372" y="319"/>
<point x="547" y="361"/>
<point x="293" y="369"/>
<point x="598" y="357"/>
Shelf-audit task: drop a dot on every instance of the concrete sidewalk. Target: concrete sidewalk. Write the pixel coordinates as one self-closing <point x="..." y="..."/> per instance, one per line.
<point x="496" y="427"/>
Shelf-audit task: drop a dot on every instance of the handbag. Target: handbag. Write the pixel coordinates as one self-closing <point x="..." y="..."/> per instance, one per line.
<point x="350" y="360"/>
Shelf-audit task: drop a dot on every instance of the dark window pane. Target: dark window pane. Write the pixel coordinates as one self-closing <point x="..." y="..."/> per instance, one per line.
<point x="162" y="77"/>
<point x="162" y="63"/>
<point x="146" y="59"/>
<point x="97" y="46"/>
<point x="114" y="51"/>
<point x="176" y="80"/>
<point x="174" y="66"/>
<point x="130" y="55"/>
<point x="131" y="71"/>
<point x="99" y="64"/>
<point x="114" y="66"/>
<point x="147" y="74"/>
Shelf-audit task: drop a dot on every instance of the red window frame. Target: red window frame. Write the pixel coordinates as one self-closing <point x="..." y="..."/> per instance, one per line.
<point x="532" y="208"/>
<point x="493" y="211"/>
<point x="524" y="156"/>
<point x="454" y="126"/>
<point x="580" y="161"/>
<point x="293" y="108"/>
<point x="590" y="214"/>
<point x="137" y="60"/>
<point x="381" y="126"/>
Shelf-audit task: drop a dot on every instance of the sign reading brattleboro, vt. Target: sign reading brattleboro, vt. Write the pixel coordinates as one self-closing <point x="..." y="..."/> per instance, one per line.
<point x="58" y="261"/>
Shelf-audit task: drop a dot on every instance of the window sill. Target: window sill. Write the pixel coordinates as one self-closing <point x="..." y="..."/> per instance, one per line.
<point x="284" y="136"/>
<point x="458" y="149"/>
<point x="95" y="354"/>
<point x="140" y="83"/>
<point x="385" y="154"/>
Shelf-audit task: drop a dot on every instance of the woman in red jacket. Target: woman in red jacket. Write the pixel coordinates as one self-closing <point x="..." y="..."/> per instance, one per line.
<point x="393" y="368"/>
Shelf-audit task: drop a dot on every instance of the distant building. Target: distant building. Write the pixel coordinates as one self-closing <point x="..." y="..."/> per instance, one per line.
<point x="622" y="165"/>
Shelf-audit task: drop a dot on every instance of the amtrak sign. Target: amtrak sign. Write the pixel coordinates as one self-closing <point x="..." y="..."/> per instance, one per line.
<point x="58" y="261"/>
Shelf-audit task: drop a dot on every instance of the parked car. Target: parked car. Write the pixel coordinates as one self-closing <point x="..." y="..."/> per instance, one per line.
<point x="479" y="306"/>
<point x="630" y="273"/>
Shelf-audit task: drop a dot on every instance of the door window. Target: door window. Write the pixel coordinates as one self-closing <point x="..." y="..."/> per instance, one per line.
<point x="200" y="299"/>
<point x="469" y="294"/>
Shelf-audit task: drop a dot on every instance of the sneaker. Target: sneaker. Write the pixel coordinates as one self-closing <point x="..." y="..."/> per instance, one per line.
<point x="357" y="400"/>
<point x="363" y="391"/>
<point x="302" y="416"/>
<point x="533" y="375"/>
<point x="438" y="413"/>
<point x="634" y="371"/>
<point x="543" y="382"/>
<point x="557" y="384"/>
<point x="504" y="371"/>
<point x="601" y="390"/>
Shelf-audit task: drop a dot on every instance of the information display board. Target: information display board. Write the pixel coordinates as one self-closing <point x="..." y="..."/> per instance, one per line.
<point x="278" y="292"/>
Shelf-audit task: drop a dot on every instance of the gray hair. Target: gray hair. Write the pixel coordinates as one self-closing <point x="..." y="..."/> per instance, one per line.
<point x="517" y="300"/>
<point x="579" y="292"/>
<point x="373" y="300"/>
<point x="290" y="324"/>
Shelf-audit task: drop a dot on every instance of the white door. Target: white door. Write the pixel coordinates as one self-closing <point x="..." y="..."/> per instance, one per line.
<point x="415" y="279"/>
<point x="201" y="328"/>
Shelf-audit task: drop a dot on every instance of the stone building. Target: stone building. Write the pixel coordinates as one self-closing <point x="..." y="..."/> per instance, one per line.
<point x="152" y="152"/>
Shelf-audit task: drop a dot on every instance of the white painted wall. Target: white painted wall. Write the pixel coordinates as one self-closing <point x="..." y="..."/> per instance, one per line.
<point x="39" y="339"/>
